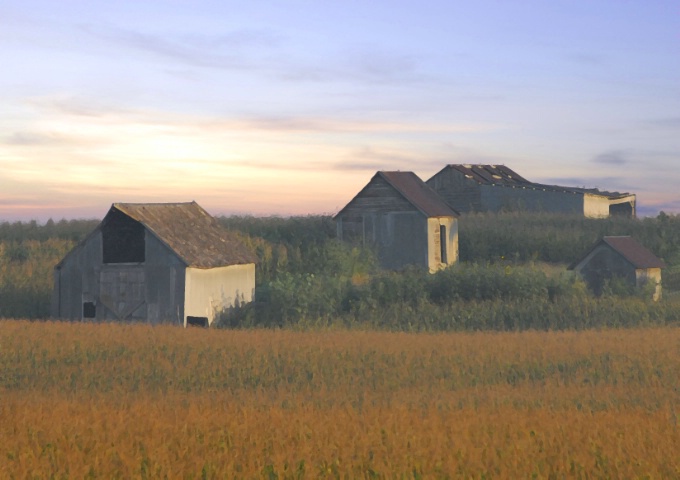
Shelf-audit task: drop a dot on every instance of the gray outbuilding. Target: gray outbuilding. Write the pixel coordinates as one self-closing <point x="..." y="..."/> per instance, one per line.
<point x="154" y="262"/>
<point x="404" y="220"/>
<point x="495" y="188"/>
<point x="620" y="257"/>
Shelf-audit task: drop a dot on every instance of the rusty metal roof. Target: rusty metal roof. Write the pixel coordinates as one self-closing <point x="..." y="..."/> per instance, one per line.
<point x="634" y="252"/>
<point x="190" y="232"/>
<point x="420" y="194"/>
<point x="490" y="174"/>
<point x="500" y="175"/>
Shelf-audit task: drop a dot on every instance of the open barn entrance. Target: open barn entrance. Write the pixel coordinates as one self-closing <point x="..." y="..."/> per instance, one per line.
<point x="621" y="209"/>
<point x="197" y="321"/>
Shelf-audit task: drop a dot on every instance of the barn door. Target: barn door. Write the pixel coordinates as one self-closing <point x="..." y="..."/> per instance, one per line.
<point x="122" y="292"/>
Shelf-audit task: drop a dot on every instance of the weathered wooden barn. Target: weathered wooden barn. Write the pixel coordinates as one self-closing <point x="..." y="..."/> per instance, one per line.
<point x="404" y="220"/>
<point x="495" y="188"/>
<point x="159" y="263"/>
<point x="621" y="257"/>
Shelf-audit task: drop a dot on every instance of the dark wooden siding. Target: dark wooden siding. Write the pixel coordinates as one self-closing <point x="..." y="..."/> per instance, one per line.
<point x="77" y="279"/>
<point x="377" y="197"/>
<point x="164" y="283"/>
<point x="379" y="216"/>
<point x="151" y="291"/>
<point x="602" y="264"/>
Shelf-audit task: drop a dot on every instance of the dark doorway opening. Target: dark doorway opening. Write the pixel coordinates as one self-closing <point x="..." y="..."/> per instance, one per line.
<point x="197" y="322"/>
<point x="621" y="209"/>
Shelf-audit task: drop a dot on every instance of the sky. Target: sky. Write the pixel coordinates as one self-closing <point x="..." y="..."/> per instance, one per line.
<point x="289" y="107"/>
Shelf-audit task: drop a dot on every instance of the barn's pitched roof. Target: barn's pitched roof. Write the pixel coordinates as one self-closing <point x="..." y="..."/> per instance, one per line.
<point x="500" y="175"/>
<point x="420" y="194"/>
<point x="630" y="249"/>
<point x="414" y="190"/>
<point x="190" y="232"/>
<point x="634" y="252"/>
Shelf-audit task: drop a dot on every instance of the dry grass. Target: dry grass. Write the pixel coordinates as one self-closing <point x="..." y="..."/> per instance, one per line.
<point x="111" y="401"/>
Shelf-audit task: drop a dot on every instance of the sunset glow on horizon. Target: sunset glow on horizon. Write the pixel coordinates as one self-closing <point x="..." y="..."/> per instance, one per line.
<point x="289" y="108"/>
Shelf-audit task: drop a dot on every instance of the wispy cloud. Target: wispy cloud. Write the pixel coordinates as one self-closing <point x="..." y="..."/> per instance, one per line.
<point x="371" y="159"/>
<point x="28" y="138"/>
<point x="349" y="125"/>
<point x="370" y="65"/>
<point x="612" y="157"/>
<point x="80" y="106"/>
<point x="367" y="67"/>
<point x="668" y="122"/>
<point x="95" y="112"/>
<point x="586" y="58"/>
<point x="218" y="51"/>
<point x="266" y="52"/>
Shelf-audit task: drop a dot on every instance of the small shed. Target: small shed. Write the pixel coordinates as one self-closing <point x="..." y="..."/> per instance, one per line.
<point x="154" y="262"/>
<point x="404" y="220"/>
<point x="623" y="257"/>
<point x="495" y="188"/>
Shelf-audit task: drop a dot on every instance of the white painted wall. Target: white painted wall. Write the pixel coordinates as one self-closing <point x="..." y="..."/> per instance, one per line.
<point x="207" y="291"/>
<point x="434" y="260"/>
<point x="653" y="275"/>
<point x="595" y="206"/>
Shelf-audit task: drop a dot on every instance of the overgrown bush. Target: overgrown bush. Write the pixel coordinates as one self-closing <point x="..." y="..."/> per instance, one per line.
<point x="463" y="297"/>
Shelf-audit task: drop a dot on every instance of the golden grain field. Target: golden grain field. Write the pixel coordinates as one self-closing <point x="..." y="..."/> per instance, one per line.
<point x="121" y="401"/>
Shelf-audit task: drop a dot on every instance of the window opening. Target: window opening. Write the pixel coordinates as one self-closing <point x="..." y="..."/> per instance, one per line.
<point x="122" y="239"/>
<point x="443" y="243"/>
<point x="89" y="310"/>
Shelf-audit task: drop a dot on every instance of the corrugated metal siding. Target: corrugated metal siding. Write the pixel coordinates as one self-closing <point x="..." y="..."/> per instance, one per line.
<point x="498" y="198"/>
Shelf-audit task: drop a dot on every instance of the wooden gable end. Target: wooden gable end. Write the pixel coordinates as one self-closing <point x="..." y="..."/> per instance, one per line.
<point x="378" y="196"/>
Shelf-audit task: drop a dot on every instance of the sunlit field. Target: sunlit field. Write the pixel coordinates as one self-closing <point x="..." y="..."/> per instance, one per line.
<point x="121" y="401"/>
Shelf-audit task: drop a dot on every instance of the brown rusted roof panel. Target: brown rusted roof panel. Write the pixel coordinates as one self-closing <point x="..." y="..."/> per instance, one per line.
<point x="420" y="194"/>
<point x="634" y="252"/>
<point x="491" y="174"/>
<point x="191" y="233"/>
<point x="504" y="176"/>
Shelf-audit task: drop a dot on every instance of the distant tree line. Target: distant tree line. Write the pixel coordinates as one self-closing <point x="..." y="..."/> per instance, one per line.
<point x="74" y="230"/>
